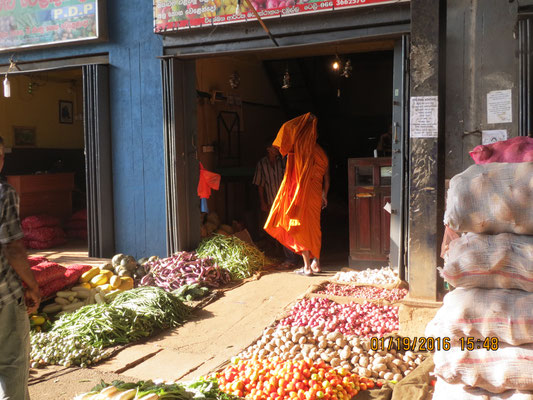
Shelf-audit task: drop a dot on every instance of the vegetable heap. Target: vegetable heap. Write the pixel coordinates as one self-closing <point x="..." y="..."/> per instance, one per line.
<point x="370" y="276"/>
<point x="337" y="350"/>
<point x="56" y="348"/>
<point x="366" y="292"/>
<point x="278" y="379"/>
<point x="241" y="259"/>
<point x="351" y="319"/>
<point x="184" y="268"/>
<point x="205" y="388"/>
<point x="130" y="316"/>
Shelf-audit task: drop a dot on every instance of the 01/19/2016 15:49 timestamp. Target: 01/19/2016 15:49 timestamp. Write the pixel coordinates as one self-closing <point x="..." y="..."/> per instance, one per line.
<point x="432" y="344"/>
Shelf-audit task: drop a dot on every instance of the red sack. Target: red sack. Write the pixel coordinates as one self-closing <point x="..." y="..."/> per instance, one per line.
<point x="77" y="234"/>
<point x="37" y="245"/>
<point x="76" y="224"/>
<point x="52" y="287"/>
<point x="33" y="261"/>
<point x="514" y="150"/>
<point x="44" y="234"/>
<point x="46" y="272"/>
<point x="74" y="272"/>
<point x="39" y="221"/>
<point x="79" y="216"/>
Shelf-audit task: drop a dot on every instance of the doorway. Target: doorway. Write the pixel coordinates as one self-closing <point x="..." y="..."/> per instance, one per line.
<point x="353" y="103"/>
<point x="54" y="126"/>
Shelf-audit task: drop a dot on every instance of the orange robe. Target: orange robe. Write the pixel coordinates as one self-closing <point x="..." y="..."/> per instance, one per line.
<point x="294" y="218"/>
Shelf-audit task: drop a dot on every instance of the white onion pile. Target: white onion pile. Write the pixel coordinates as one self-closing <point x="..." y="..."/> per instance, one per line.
<point x="383" y="276"/>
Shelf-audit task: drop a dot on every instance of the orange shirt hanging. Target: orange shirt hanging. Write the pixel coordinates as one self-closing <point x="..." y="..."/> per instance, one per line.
<point x="294" y="218"/>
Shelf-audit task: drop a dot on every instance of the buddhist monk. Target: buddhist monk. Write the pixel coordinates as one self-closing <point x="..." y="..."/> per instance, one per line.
<point x="294" y="218"/>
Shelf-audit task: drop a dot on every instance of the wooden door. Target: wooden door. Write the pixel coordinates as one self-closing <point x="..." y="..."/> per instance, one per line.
<point x="369" y="190"/>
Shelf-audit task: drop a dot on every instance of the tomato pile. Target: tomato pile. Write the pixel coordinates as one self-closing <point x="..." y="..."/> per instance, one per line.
<point x="367" y="292"/>
<point x="351" y="319"/>
<point x="277" y="379"/>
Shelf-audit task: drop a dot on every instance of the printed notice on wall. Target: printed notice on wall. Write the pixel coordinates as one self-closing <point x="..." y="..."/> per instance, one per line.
<point x="499" y="107"/>
<point x="424" y="117"/>
<point x="493" y="136"/>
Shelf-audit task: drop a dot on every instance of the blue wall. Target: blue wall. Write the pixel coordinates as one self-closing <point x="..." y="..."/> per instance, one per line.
<point x="136" y="123"/>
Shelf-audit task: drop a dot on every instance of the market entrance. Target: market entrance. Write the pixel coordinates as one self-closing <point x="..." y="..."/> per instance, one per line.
<point x="243" y="100"/>
<point x="52" y="126"/>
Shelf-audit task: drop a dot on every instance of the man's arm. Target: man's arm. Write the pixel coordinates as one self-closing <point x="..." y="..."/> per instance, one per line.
<point x="264" y="205"/>
<point x="17" y="258"/>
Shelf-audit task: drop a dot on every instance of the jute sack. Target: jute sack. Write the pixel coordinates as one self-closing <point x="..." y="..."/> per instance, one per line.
<point x="508" y="368"/>
<point x="485" y="313"/>
<point x="492" y="198"/>
<point x="490" y="261"/>
<point x="447" y="391"/>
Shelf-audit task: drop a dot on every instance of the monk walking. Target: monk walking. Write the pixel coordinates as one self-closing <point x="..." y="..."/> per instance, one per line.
<point x="294" y="218"/>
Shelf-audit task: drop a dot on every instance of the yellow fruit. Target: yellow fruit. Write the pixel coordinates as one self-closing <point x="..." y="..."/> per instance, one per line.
<point x="99" y="280"/>
<point x="115" y="282"/>
<point x="87" y="276"/>
<point x="109" y="274"/>
<point x="106" y="287"/>
<point x="85" y="285"/>
<point x="126" y="283"/>
<point x="38" y="320"/>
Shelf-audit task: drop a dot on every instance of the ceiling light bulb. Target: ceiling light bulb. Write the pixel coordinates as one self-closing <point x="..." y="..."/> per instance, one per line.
<point x="336" y="65"/>
<point x="7" y="87"/>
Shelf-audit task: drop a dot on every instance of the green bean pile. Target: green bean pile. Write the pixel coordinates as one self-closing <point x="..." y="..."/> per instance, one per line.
<point x="134" y="314"/>
<point x="240" y="258"/>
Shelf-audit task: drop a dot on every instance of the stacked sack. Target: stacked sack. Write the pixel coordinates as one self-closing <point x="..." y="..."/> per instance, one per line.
<point x="42" y="232"/>
<point x="491" y="267"/>
<point x="76" y="227"/>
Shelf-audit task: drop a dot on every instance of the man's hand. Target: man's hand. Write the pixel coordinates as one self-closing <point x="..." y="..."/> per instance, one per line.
<point x="32" y="298"/>
<point x="324" y="202"/>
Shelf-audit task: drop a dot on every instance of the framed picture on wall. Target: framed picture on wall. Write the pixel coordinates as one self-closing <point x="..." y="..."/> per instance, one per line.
<point x="66" y="112"/>
<point x="24" y="136"/>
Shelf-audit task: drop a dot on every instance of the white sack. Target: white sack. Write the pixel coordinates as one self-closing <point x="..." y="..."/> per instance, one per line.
<point x="490" y="261"/>
<point x="492" y="198"/>
<point x="509" y="368"/>
<point x="447" y="391"/>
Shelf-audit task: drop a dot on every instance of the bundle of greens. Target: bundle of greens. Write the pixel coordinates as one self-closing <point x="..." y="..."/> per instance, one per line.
<point x="240" y="258"/>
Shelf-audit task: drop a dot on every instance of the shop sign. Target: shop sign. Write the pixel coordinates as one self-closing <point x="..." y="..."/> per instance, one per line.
<point x="170" y="15"/>
<point x="31" y="23"/>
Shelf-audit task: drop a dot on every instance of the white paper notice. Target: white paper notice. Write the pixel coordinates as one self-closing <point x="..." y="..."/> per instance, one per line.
<point x="424" y="117"/>
<point x="488" y="137"/>
<point x="499" y="107"/>
<point x="388" y="207"/>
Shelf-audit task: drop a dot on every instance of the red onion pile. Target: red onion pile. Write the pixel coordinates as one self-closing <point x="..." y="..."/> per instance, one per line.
<point x="351" y="319"/>
<point x="365" y="292"/>
<point x="184" y="268"/>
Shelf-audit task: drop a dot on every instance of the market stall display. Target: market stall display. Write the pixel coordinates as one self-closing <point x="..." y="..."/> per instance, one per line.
<point x="42" y="232"/>
<point x="366" y="319"/>
<point x="53" y="277"/>
<point x="358" y="355"/>
<point x="385" y="277"/>
<point x="364" y="292"/>
<point x="184" y="268"/>
<point x="276" y="378"/>
<point x="239" y="258"/>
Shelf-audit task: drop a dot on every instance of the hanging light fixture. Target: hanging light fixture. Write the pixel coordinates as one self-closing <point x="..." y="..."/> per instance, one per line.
<point x="7" y="84"/>
<point x="286" y="79"/>
<point x="235" y="80"/>
<point x="347" y="72"/>
<point x="336" y="63"/>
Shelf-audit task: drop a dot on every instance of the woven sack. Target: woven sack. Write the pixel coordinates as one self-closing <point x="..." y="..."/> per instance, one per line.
<point x="515" y="150"/>
<point x="490" y="261"/>
<point x="508" y="368"/>
<point x="492" y="198"/>
<point x="485" y="313"/>
<point x="448" y="391"/>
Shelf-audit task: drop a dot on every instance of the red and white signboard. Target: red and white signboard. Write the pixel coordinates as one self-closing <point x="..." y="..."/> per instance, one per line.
<point x="171" y="15"/>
